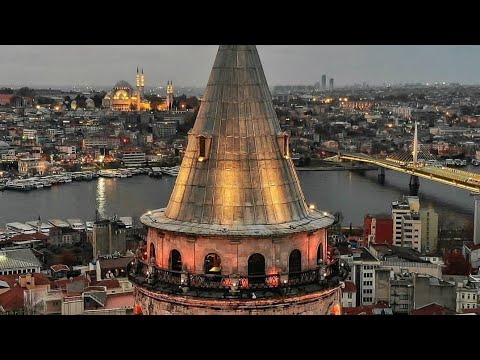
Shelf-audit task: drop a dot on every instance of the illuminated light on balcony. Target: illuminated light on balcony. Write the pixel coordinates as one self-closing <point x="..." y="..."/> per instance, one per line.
<point x="149" y="213"/>
<point x="201" y="159"/>
<point x="311" y="207"/>
<point x="325" y="213"/>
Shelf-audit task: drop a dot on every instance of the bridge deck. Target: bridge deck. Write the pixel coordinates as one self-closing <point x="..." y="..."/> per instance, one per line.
<point x="453" y="177"/>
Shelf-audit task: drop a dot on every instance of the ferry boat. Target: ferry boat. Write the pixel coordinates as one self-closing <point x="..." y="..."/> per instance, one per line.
<point x="44" y="227"/>
<point x="127" y="220"/>
<point x="155" y="172"/>
<point x="19" y="228"/>
<point x="59" y="223"/>
<point x="172" y="171"/>
<point x="19" y="186"/>
<point x="475" y="162"/>
<point x="89" y="225"/>
<point x="76" y="224"/>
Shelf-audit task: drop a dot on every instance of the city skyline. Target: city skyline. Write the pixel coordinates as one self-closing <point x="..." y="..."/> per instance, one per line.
<point x="104" y="65"/>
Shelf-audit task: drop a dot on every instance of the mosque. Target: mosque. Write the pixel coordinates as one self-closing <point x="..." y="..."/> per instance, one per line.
<point x="124" y="98"/>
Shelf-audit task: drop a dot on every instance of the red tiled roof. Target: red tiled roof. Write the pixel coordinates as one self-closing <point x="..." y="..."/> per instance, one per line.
<point x="120" y="262"/>
<point x="363" y="310"/>
<point x="432" y="309"/>
<point x="62" y="283"/>
<point x="6" y="98"/>
<point x="116" y="301"/>
<point x="40" y="279"/>
<point x="108" y="283"/>
<point x="25" y="237"/>
<point x="473" y="246"/>
<point x="471" y="311"/>
<point x="59" y="267"/>
<point x="350" y="287"/>
<point x="12" y="300"/>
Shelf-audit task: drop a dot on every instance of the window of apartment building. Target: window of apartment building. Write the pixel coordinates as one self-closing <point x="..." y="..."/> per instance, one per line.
<point x="349" y="295"/>
<point x="468" y="296"/>
<point x="403" y="297"/>
<point x="404" y="306"/>
<point x="474" y="296"/>
<point x="367" y="299"/>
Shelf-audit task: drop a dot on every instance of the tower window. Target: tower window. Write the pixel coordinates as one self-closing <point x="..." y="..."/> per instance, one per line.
<point x="285" y="146"/>
<point x="202" y="147"/>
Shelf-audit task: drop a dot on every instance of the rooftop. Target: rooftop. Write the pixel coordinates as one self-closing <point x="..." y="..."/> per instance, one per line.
<point x="237" y="176"/>
<point x="18" y="259"/>
<point x="432" y="309"/>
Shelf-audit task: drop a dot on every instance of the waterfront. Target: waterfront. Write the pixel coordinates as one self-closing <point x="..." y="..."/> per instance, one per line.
<point x="351" y="193"/>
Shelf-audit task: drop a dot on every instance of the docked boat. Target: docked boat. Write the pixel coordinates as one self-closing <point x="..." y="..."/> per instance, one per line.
<point x="44" y="227"/>
<point x="171" y="171"/>
<point x="59" y="223"/>
<point x="76" y="224"/>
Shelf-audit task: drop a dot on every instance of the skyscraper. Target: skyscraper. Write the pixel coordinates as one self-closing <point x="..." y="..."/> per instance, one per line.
<point x="331" y="84"/>
<point x="324" y="82"/>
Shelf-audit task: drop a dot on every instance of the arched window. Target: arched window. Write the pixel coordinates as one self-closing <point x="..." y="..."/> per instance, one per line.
<point x="212" y="264"/>
<point x="152" y="251"/>
<point x="320" y="254"/>
<point x="256" y="268"/>
<point x="295" y="263"/>
<point x="175" y="260"/>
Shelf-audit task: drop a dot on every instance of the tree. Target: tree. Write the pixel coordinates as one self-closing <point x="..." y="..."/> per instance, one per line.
<point x="67" y="258"/>
<point x="26" y="92"/>
<point x="455" y="264"/>
<point x="6" y="91"/>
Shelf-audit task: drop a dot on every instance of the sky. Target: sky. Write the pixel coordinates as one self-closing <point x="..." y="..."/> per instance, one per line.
<point x="190" y="65"/>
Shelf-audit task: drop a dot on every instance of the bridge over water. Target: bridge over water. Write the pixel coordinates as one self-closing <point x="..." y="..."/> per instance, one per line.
<point x="419" y="163"/>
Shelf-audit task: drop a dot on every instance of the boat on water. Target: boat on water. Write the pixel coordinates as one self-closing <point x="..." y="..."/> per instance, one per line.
<point x="19" y="228"/>
<point x="89" y="225"/>
<point x="127" y="220"/>
<point x="156" y="172"/>
<point x="171" y="171"/>
<point x="76" y="224"/>
<point x="44" y="227"/>
<point x="59" y="223"/>
<point x="475" y="162"/>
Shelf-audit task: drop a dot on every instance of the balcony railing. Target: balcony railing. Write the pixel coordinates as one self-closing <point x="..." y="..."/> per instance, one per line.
<point x="150" y="275"/>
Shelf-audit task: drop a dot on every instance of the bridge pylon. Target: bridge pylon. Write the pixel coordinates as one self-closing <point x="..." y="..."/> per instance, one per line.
<point x="414" y="185"/>
<point x="381" y="175"/>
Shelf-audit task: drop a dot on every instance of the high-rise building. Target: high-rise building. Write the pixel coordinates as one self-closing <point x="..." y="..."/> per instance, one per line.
<point x="378" y="229"/>
<point x="237" y="236"/>
<point x="407" y="226"/>
<point x="331" y="84"/>
<point x="109" y="237"/>
<point x="324" y="82"/>
<point x="429" y="219"/>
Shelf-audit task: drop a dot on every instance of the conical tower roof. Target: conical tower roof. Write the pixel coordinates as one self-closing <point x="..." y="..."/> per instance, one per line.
<point x="236" y="171"/>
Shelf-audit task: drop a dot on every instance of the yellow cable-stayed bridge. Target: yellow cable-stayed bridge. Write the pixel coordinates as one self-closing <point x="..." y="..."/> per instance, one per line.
<point x="419" y="163"/>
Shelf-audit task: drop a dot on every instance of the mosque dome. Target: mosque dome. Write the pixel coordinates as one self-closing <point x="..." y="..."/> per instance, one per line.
<point x="122" y="84"/>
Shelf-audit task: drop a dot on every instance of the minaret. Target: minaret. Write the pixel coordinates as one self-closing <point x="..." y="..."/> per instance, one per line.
<point x="415" y="146"/>
<point x="142" y="85"/>
<point x="170" y="95"/>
